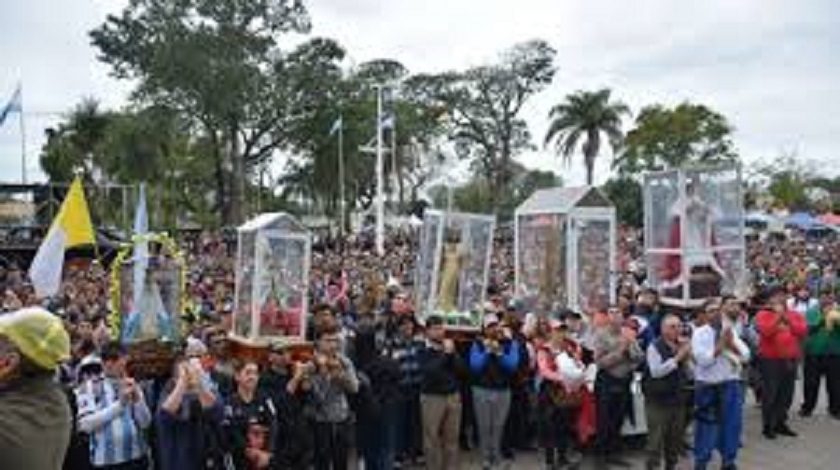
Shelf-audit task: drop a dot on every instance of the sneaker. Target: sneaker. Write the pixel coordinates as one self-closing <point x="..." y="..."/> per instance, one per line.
<point x="784" y="430"/>
<point x="769" y="434"/>
<point x="574" y="456"/>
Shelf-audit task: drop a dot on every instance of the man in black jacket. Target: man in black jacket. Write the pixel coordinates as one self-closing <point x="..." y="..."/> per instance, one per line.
<point x="294" y="440"/>
<point x="440" y="399"/>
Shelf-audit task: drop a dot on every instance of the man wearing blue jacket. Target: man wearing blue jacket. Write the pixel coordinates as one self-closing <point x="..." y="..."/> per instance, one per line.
<point x="494" y="358"/>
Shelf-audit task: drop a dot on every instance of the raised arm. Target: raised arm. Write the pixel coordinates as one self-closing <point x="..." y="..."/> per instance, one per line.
<point x="546" y="366"/>
<point x="478" y="357"/>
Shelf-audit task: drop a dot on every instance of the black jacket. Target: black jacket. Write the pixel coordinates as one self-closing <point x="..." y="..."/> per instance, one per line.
<point x="442" y="373"/>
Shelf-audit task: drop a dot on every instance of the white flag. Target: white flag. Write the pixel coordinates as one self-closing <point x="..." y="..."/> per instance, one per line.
<point x="141" y="246"/>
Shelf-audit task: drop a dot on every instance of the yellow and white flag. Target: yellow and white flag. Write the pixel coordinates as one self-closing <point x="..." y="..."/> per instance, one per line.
<point x="71" y="228"/>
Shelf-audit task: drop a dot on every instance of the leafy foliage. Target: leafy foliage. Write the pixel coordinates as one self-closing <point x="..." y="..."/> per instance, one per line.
<point x="687" y="135"/>
<point x="787" y="181"/>
<point x="626" y="194"/>
<point x="475" y="195"/>
<point x="483" y="105"/>
<point x="586" y="115"/>
<point x="218" y="63"/>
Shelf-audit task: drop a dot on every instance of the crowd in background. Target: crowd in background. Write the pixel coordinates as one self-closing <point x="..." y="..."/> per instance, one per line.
<point x="388" y="389"/>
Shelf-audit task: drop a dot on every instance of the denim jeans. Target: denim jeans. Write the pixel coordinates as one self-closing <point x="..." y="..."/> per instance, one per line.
<point x="718" y="422"/>
<point x="491" y="411"/>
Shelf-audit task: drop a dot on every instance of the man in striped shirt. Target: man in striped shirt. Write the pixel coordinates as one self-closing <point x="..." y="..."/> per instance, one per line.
<point x="113" y="410"/>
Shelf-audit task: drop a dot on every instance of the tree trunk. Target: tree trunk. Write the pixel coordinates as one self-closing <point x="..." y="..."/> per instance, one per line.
<point x="220" y="176"/>
<point x="237" y="184"/>
<point x="590" y="151"/>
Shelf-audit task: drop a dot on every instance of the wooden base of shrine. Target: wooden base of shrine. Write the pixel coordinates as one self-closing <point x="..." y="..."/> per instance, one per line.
<point x="257" y="350"/>
<point x="702" y="285"/>
<point x="462" y="334"/>
<point x="151" y="359"/>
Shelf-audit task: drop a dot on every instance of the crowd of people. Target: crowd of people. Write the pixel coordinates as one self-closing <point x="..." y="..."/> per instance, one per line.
<point x="392" y="389"/>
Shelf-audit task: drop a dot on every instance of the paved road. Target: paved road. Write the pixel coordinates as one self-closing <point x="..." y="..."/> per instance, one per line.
<point x="817" y="447"/>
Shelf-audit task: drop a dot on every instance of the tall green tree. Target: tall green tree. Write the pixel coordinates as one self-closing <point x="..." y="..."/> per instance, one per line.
<point x="583" y="119"/>
<point x="218" y="62"/>
<point x="788" y="180"/>
<point x="76" y="145"/>
<point x="353" y="98"/>
<point x="474" y="195"/>
<point x="626" y="194"/>
<point x="483" y="107"/>
<point x="686" y="135"/>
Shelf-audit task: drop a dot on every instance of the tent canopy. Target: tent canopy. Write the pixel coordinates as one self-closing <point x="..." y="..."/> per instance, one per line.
<point x="830" y="218"/>
<point x="801" y="220"/>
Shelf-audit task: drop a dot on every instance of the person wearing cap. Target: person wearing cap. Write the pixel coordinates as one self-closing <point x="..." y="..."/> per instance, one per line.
<point x="113" y="411"/>
<point x="35" y="416"/>
<point x="560" y="377"/>
<point x="494" y="358"/>
<point x="781" y="332"/>
<point x="443" y="371"/>
<point x="281" y="381"/>
<point x="617" y="354"/>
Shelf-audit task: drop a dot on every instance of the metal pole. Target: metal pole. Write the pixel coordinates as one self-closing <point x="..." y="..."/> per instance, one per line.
<point x="394" y="174"/>
<point x="260" y="188"/>
<point x="341" y="188"/>
<point x="22" y="138"/>
<point x="380" y="201"/>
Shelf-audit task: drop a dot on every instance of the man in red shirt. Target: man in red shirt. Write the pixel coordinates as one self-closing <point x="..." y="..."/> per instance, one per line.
<point x="781" y="332"/>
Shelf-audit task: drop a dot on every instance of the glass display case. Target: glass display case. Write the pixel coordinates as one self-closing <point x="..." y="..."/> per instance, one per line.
<point x="565" y="252"/>
<point x="694" y="234"/>
<point x="148" y="279"/>
<point x="272" y="273"/>
<point x="453" y="266"/>
<point x="148" y="290"/>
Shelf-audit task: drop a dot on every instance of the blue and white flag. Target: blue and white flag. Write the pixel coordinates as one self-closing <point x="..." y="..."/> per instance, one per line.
<point x="13" y="106"/>
<point x="337" y="125"/>
<point x="141" y="245"/>
<point x="389" y="121"/>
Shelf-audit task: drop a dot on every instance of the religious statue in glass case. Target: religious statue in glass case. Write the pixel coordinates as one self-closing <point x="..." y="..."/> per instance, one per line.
<point x="453" y="266"/>
<point x="271" y="291"/>
<point x="694" y="236"/>
<point x="452" y="263"/>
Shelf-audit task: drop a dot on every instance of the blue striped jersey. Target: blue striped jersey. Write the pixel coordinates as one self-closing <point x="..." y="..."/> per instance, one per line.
<point x="115" y="429"/>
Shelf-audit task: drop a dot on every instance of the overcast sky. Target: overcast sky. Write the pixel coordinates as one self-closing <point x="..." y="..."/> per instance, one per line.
<point x="767" y="65"/>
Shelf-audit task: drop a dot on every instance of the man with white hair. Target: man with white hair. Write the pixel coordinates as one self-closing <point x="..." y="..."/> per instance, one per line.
<point x="35" y="418"/>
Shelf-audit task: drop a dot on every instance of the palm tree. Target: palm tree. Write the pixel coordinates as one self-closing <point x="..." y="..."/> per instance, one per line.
<point x="588" y="114"/>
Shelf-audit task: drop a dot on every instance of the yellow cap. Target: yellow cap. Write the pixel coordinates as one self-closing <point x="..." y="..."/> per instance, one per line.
<point x="38" y="334"/>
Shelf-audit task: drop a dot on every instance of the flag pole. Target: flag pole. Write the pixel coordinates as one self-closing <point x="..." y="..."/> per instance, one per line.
<point x="380" y="202"/>
<point x="22" y="137"/>
<point x="394" y="171"/>
<point x="341" y="188"/>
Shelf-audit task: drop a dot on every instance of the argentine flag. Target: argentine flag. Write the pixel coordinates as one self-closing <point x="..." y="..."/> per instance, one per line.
<point x="13" y="106"/>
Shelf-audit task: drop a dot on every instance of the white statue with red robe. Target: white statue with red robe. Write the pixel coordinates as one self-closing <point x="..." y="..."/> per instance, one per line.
<point x="702" y="264"/>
